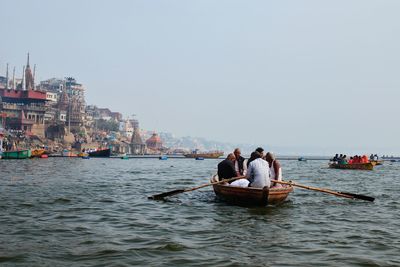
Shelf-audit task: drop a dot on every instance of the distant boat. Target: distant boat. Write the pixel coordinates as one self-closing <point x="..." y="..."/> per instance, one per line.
<point x="199" y="158"/>
<point x="205" y="155"/>
<point x="37" y="153"/>
<point x="68" y="153"/>
<point x="16" y="154"/>
<point x="100" y="153"/>
<point x="390" y="158"/>
<point x="163" y="157"/>
<point x="354" y="166"/>
<point x="302" y="159"/>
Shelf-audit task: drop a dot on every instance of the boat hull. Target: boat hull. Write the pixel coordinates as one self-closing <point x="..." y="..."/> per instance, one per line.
<point x="204" y="155"/>
<point x="355" y="166"/>
<point x="250" y="196"/>
<point x="103" y="153"/>
<point x="17" y="154"/>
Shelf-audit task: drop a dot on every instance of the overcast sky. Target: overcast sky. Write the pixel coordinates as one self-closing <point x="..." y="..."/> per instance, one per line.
<point x="318" y="74"/>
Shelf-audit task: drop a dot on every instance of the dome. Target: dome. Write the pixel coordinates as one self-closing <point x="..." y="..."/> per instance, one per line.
<point x="154" y="142"/>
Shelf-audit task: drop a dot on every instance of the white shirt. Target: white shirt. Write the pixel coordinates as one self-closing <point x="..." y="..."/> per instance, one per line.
<point x="244" y="167"/>
<point x="258" y="173"/>
<point x="273" y="174"/>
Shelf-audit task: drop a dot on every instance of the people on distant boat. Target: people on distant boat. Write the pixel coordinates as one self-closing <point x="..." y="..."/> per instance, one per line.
<point x="335" y="158"/>
<point x="371" y="157"/>
<point x="258" y="171"/>
<point x="226" y="168"/>
<point x="343" y="160"/>
<point x="351" y="160"/>
<point x="376" y="158"/>
<point x="364" y="159"/>
<point x="275" y="170"/>
<point x="240" y="166"/>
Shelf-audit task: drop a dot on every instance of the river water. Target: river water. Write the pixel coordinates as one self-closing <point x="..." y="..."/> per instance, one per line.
<point x="76" y="212"/>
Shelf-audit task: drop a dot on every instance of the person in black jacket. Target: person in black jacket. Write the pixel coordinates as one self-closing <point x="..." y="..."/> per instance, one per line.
<point x="240" y="167"/>
<point x="226" y="168"/>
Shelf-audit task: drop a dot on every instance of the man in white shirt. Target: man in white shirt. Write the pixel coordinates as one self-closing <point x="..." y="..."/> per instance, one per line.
<point x="258" y="172"/>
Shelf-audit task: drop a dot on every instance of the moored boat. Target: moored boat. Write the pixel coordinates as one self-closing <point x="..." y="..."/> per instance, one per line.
<point x="205" y="155"/>
<point x="37" y="153"/>
<point x="83" y="154"/>
<point x="250" y="196"/>
<point x="68" y="153"/>
<point x="354" y="166"/>
<point x="16" y="154"/>
<point x="100" y="153"/>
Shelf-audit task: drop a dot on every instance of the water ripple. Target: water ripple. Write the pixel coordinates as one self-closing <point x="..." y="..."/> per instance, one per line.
<point x="96" y="213"/>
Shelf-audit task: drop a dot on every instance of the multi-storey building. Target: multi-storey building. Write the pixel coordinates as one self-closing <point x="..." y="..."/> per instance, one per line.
<point x="24" y="108"/>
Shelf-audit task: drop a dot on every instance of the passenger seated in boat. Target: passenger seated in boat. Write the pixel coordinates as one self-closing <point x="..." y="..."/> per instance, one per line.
<point x="335" y="158"/>
<point x="275" y="170"/>
<point x="226" y="168"/>
<point x="351" y="160"/>
<point x="261" y="151"/>
<point x="253" y="156"/>
<point x="240" y="166"/>
<point x="258" y="172"/>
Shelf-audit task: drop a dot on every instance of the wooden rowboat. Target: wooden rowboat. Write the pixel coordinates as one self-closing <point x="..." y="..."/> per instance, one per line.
<point x="251" y="196"/>
<point x="354" y="166"/>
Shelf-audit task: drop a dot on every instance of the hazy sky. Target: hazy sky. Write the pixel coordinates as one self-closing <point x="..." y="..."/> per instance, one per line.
<point x="321" y="74"/>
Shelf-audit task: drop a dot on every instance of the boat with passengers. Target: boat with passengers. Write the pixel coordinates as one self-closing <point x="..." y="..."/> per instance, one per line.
<point x="251" y="196"/>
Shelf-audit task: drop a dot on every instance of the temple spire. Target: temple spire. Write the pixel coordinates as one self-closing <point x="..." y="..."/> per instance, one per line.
<point x="13" y="80"/>
<point x="23" y="78"/>
<point x="7" y="77"/>
<point x="34" y="76"/>
<point x="29" y="82"/>
<point x="27" y="62"/>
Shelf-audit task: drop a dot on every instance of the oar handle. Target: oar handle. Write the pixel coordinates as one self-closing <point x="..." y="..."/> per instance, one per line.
<point x="214" y="183"/>
<point x="313" y="188"/>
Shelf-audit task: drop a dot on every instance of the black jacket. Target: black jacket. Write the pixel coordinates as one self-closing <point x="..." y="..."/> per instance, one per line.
<point x="240" y="161"/>
<point x="226" y="169"/>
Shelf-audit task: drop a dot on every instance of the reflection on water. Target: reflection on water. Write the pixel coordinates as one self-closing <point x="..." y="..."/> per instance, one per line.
<point x="73" y="212"/>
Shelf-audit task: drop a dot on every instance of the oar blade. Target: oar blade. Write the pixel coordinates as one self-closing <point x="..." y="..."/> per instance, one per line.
<point x="166" y="194"/>
<point x="367" y="198"/>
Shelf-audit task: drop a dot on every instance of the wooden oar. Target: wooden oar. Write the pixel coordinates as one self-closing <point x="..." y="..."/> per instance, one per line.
<point x="339" y="194"/>
<point x="178" y="191"/>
